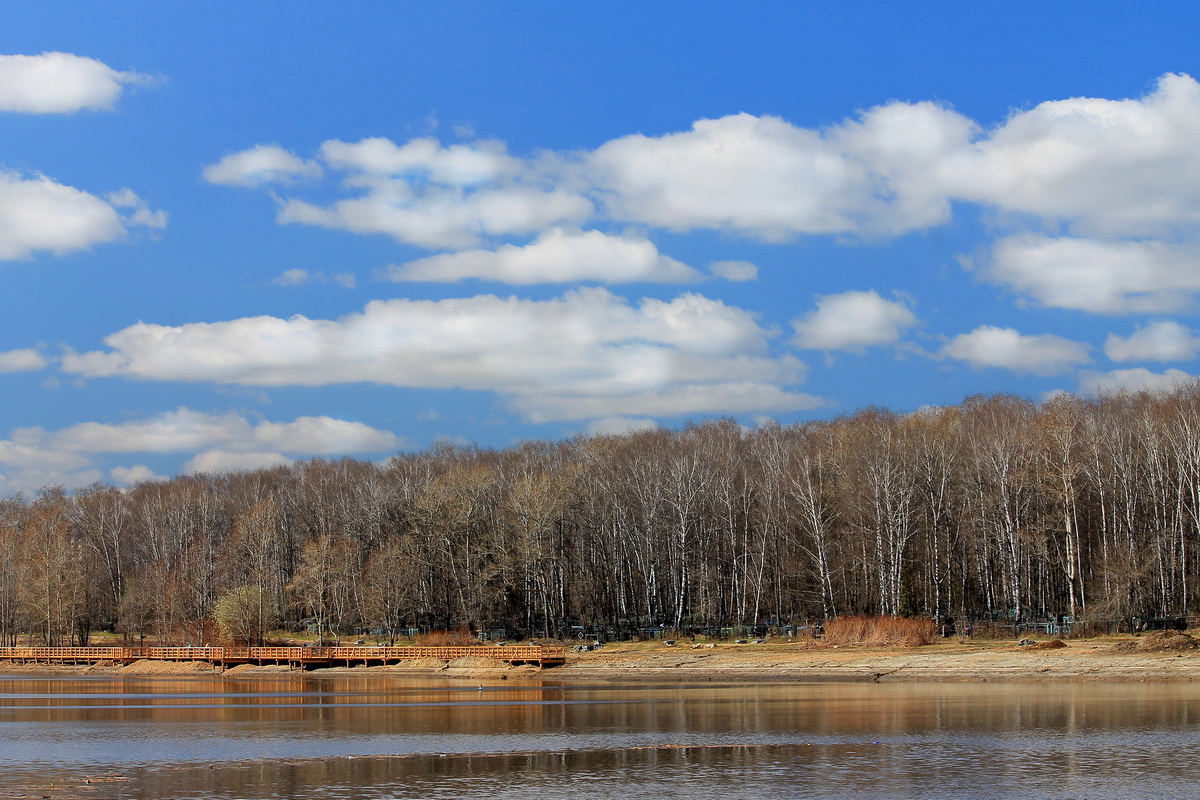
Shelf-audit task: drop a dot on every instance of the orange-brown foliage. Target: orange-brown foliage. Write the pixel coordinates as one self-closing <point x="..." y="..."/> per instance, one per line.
<point x="880" y="631"/>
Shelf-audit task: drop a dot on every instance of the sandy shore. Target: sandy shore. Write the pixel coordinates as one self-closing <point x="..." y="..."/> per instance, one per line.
<point x="1164" y="656"/>
<point x="1152" y="657"/>
<point x="1077" y="660"/>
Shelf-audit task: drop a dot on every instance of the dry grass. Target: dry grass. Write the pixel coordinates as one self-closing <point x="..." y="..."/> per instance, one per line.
<point x="880" y="631"/>
<point x="459" y="637"/>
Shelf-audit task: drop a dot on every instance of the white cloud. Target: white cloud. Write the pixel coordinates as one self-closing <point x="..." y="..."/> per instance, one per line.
<point x="618" y="426"/>
<point x="765" y="177"/>
<point x="556" y="256"/>
<point x="219" y="461"/>
<point x="30" y="481"/>
<point x="184" y="429"/>
<point x="128" y="476"/>
<point x="1108" y="277"/>
<point x="1123" y="178"/>
<point x="738" y="271"/>
<point x="25" y="450"/>
<point x="1133" y="380"/>
<point x="35" y="457"/>
<point x="1005" y="348"/>
<point x="758" y="176"/>
<point x="589" y="346"/>
<point x="436" y="216"/>
<point x="742" y="397"/>
<point x="323" y="436"/>
<point x="37" y="213"/>
<point x="27" y="360"/>
<point x="259" y="166"/>
<point x="58" y="83"/>
<point x="139" y="212"/>
<point x="299" y="277"/>
<point x="421" y="192"/>
<point x="293" y="277"/>
<point x="853" y="321"/>
<point x="457" y="165"/>
<point x="1106" y="167"/>
<point x="1158" y="341"/>
<point x="170" y="432"/>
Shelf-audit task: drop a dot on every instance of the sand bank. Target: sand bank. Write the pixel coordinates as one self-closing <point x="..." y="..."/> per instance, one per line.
<point x="1153" y="657"/>
<point x="1150" y="657"/>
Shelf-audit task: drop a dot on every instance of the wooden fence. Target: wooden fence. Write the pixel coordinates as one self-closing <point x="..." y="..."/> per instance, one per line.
<point x="298" y="657"/>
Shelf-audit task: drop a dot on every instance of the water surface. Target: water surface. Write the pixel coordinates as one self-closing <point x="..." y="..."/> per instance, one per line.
<point x="302" y="736"/>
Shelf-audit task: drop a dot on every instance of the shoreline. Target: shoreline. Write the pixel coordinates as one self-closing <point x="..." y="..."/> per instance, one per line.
<point x="965" y="663"/>
<point x="1159" y="657"/>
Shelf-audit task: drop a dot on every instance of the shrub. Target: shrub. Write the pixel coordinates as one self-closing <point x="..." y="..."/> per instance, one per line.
<point x="881" y="631"/>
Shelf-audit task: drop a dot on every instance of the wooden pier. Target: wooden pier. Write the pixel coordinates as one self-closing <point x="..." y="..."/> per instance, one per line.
<point x="294" y="657"/>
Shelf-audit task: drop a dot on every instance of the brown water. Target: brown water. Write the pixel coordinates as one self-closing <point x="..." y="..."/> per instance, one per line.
<point x="381" y="737"/>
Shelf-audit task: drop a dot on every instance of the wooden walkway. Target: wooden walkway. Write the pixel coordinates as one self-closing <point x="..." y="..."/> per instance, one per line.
<point x="295" y="657"/>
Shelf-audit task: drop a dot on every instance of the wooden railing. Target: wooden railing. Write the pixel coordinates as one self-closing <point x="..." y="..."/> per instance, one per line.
<point x="524" y="654"/>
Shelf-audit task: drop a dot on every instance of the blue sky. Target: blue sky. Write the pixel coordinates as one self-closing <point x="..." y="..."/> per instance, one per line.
<point x="234" y="235"/>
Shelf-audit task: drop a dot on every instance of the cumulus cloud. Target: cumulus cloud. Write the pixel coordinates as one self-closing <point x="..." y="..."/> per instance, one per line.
<point x="618" y="426"/>
<point x="299" y="277"/>
<point x="1005" y="348"/>
<point x="184" y="429"/>
<point x="137" y="212"/>
<point x="1106" y="170"/>
<point x="757" y="176"/>
<point x="1133" y="380"/>
<point x="323" y="436"/>
<point x="219" y="461"/>
<point x="1105" y="167"/>
<point x="31" y="457"/>
<point x="59" y="83"/>
<point x="1158" y="341"/>
<point x="546" y="357"/>
<point x="139" y="473"/>
<point x="853" y="321"/>
<point x="419" y="193"/>
<point x="737" y="271"/>
<point x="441" y="217"/>
<point x="457" y="165"/>
<point x="767" y="178"/>
<point x="25" y="451"/>
<point x="1107" y="277"/>
<point x="723" y="397"/>
<point x="30" y="481"/>
<point x="557" y="256"/>
<point x="26" y="360"/>
<point x="36" y="213"/>
<point x="260" y="166"/>
<point x="1121" y="176"/>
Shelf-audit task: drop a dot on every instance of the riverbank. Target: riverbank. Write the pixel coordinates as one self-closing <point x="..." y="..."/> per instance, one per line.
<point x="1152" y="657"/>
<point x="1165" y="656"/>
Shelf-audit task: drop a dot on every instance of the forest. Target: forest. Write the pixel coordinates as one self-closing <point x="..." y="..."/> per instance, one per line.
<point x="999" y="507"/>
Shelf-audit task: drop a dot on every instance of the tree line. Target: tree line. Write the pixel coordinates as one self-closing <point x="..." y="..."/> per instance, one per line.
<point x="1000" y="506"/>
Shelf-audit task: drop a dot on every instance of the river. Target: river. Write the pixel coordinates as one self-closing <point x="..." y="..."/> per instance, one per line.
<point x="328" y="737"/>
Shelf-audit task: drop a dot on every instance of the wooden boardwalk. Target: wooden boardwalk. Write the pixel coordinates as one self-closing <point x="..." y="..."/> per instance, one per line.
<point x="295" y="657"/>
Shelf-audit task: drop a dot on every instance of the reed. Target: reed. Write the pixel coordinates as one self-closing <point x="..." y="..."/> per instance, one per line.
<point x="456" y="637"/>
<point x="880" y="631"/>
